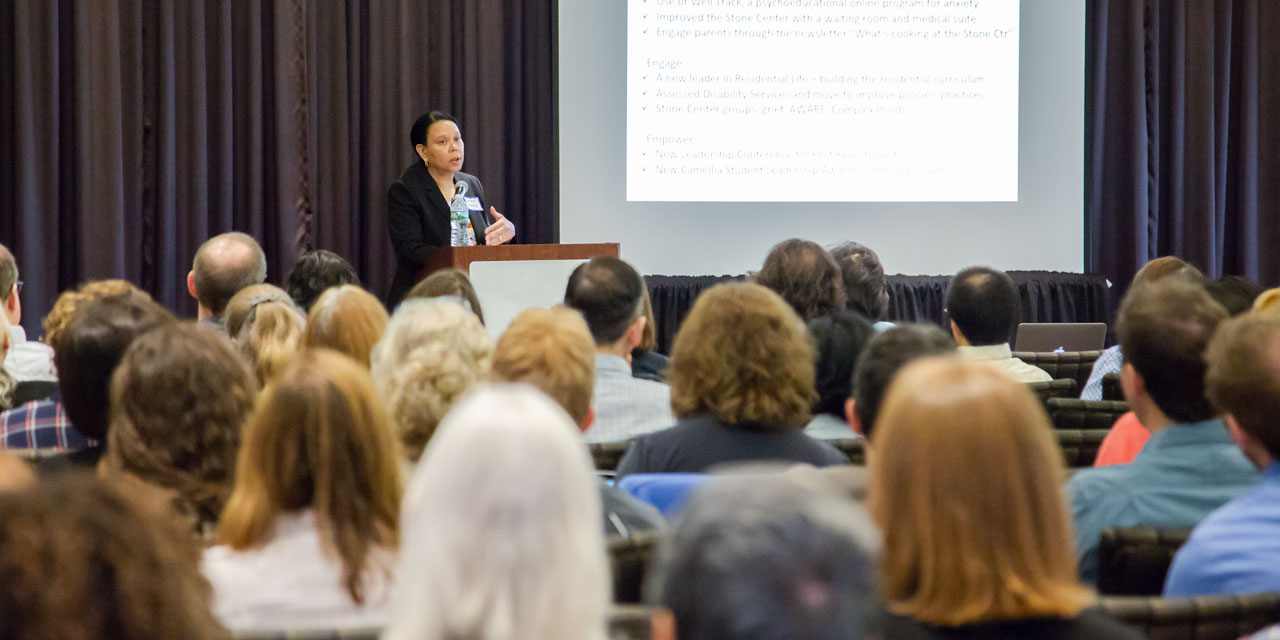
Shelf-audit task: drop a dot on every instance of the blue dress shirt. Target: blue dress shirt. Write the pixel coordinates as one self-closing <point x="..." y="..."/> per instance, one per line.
<point x="1236" y="549"/>
<point x="1183" y="473"/>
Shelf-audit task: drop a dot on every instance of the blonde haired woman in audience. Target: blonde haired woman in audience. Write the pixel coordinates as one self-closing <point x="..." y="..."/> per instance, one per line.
<point x="308" y="537"/>
<point x="967" y="487"/>
<point x="452" y="283"/>
<point x="432" y="353"/>
<point x="502" y="537"/>
<point x="264" y="322"/>
<point x="347" y="319"/>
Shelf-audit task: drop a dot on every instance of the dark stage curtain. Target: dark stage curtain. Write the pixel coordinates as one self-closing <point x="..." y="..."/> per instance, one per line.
<point x="1182" y="142"/>
<point x="1046" y="297"/>
<point x="132" y="130"/>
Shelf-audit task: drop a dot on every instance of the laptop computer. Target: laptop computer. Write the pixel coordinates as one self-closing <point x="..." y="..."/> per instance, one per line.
<point x="1064" y="336"/>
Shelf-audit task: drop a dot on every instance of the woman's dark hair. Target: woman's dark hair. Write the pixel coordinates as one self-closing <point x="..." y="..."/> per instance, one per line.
<point x="806" y="276"/>
<point x="418" y="134"/>
<point x="83" y="559"/>
<point x="839" y="339"/>
<point x="314" y="273"/>
<point x="448" y="283"/>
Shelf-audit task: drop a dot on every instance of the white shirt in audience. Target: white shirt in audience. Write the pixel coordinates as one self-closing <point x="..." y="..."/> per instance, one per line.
<point x="290" y="583"/>
<point x="29" y="360"/>
<point x="1001" y="357"/>
<point x="626" y="407"/>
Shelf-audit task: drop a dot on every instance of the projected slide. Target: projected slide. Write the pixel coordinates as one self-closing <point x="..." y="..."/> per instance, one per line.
<point x="822" y="100"/>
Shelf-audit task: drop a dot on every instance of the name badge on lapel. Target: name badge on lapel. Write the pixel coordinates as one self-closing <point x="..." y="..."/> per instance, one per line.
<point x="473" y="204"/>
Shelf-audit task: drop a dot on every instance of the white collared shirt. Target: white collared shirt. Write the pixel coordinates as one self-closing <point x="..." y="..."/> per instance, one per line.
<point x="626" y="406"/>
<point x="1001" y="357"/>
<point x="29" y="360"/>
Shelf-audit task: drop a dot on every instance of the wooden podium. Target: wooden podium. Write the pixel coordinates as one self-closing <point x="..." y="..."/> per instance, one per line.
<point x="462" y="257"/>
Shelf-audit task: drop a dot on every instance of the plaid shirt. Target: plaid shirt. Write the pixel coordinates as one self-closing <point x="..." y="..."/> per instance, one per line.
<point x="40" y="424"/>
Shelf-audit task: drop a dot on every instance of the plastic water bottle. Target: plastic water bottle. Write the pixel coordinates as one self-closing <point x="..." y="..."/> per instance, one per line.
<point x="459" y="217"/>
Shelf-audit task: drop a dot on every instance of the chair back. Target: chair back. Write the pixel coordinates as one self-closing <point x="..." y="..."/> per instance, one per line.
<point x="320" y="634"/>
<point x="666" y="491"/>
<point x="632" y="622"/>
<point x="1069" y="413"/>
<point x="629" y="562"/>
<point x="854" y="448"/>
<point x="1198" y="618"/>
<point x="1133" y="561"/>
<point x="1076" y="365"/>
<point x="1079" y="446"/>
<point x="1111" y="387"/>
<point x="1059" y="388"/>
<point x="607" y="455"/>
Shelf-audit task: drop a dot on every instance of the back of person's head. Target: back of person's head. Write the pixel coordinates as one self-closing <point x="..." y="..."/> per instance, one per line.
<point x="347" y="319"/>
<point x="84" y="561"/>
<point x="885" y="355"/>
<point x="449" y="283"/>
<point x="225" y="264"/>
<point x="90" y="346"/>
<point x="983" y="302"/>
<point x="1164" y="328"/>
<point x="266" y="325"/>
<point x="68" y="301"/>
<point x="805" y="275"/>
<point x="609" y="294"/>
<point x="501" y="530"/>
<point x="553" y="351"/>
<point x="766" y="559"/>
<point x="179" y="400"/>
<point x="1158" y="269"/>
<point x="319" y="439"/>
<point x="316" y="272"/>
<point x="1235" y="293"/>
<point x="1243" y="377"/>
<point x="744" y="356"/>
<point x="839" y="339"/>
<point x="966" y="484"/>
<point x="432" y="353"/>
<point x="863" y="277"/>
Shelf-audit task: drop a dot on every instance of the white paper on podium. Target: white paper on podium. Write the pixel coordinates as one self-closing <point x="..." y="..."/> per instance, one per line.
<point x="508" y="287"/>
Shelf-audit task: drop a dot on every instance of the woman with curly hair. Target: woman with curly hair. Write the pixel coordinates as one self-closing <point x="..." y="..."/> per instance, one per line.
<point x="84" y="560"/>
<point x="308" y="538"/>
<point x="178" y="401"/>
<point x="432" y="353"/>
<point x="742" y="384"/>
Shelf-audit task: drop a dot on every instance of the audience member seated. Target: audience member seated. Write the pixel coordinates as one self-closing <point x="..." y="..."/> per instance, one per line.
<point x="432" y="353"/>
<point x="1236" y="549"/>
<point x="768" y="558"/>
<point x="742" y="385"/>
<point x="885" y="355"/>
<point x="224" y="265"/>
<point x="982" y="304"/>
<point x="645" y="362"/>
<point x="806" y="276"/>
<point x="1190" y="466"/>
<point x="610" y="296"/>
<point x="1236" y="294"/>
<point x="178" y="402"/>
<point x="347" y="319"/>
<point x="865" y="289"/>
<point x="27" y="359"/>
<point x="554" y="351"/>
<point x="839" y="339"/>
<point x="501" y="528"/>
<point x="449" y="283"/>
<point x="85" y="561"/>
<point x="316" y="272"/>
<point x="89" y="343"/>
<point x="267" y="327"/>
<point x="1111" y="359"/>
<point x="7" y="383"/>
<point x="965" y="485"/>
<point x="308" y="537"/>
<point x="1122" y="444"/>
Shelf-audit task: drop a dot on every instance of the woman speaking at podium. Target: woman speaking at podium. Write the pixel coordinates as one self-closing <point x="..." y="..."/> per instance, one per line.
<point x="418" y="203"/>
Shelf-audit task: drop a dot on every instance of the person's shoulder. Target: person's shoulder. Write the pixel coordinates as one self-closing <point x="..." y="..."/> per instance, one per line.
<point x="1101" y="482"/>
<point x="1095" y="623"/>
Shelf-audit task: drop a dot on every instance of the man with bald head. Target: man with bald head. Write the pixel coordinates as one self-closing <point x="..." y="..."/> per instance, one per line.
<point x="223" y="266"/>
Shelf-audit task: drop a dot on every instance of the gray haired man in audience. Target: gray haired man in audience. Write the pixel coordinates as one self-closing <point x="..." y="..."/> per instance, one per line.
<point x="762" y="558"/>
<point x="610" y="296"/>
<point x="224" y="265"/>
